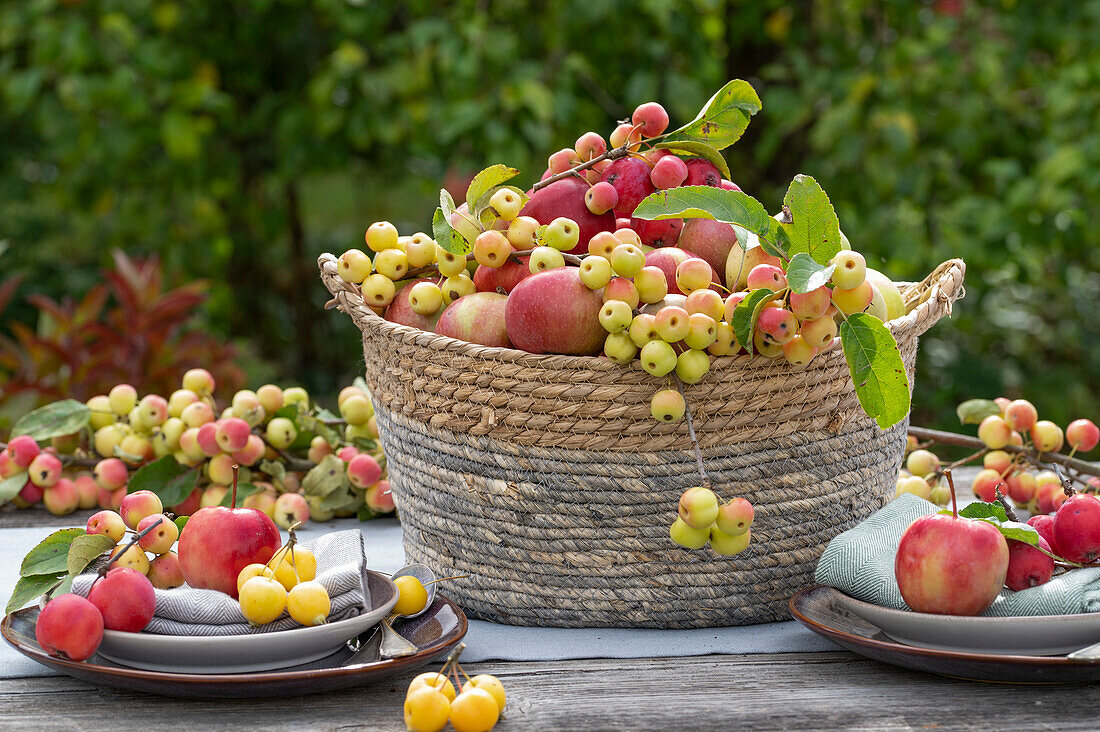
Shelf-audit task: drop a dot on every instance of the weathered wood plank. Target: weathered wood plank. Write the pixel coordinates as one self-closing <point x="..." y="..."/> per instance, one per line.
<point x="816" y="691"/>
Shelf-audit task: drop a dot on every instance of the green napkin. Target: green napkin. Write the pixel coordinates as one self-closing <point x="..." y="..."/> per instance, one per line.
<point x="860" y="563"/>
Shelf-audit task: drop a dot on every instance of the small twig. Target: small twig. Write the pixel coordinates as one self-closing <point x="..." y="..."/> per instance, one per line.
<point x="969" y="458"/>
<point x="952" y="438"/>
<point x="691" y="433"/>
<point x="1004" y="504"/>
<point x="613" y="154"/>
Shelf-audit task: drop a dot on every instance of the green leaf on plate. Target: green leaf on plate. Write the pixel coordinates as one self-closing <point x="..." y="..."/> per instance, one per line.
<point x="982" y="510"/>
<point x="723" y="119"/>
<point x="65" y="417"/>
<point x="28" y="588"/>
<point x="171" y="481"/>
<point x="447" y="237"/>
<point x="485" y="181"/>
<point x="699" y="150"/>
<point x="85" y="549"/>
<point x="973" y="411"/>
<point x="814" y="227"/>
<point x="878" y="372"/>
<point x="745" y="315"/>
<point x="50" y="555"/>
<point x="806" y="275"/>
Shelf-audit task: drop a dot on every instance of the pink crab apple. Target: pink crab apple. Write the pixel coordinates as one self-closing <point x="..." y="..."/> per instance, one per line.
<point x="778" y="325"/>
<point x="364" y="471"/>
<point x="161" y="538"/>
<point x="1044" y="525"/>
<point x="476" y="318"/>
<point x="1020" y="415"/>
<point x="1082" y="435"/>
<point x="252" y="452"/>
<point x="702" y="173"/>
<point x="1077" y="528"/>
<point x="601" y="198"/>
<point x="811" y="305"/>
<point x="590" y="145"/>
<point x="111" y="500"/>
<point x="735" y="516"/>
<point x="69" y="626"/>
<point x="554" y="312"/>
<point x="706" y="302"/>
<point x="709" y="240"/>
<point x="1046" y="436"/>
<point x="728" y="185"/>
<point x="86" y="490"/>
<point x="565" y="198"/>
<point x="165" y="571"/>
<point x="125" y="598"/>
<point x="693" y="274"/>
<point x="290" y="508"/>
<point x="138" y="505"/>
<point x="379" y="497"/>
<point x="668" y="259"/>
<point x="22" y="451"/>
<point x="986" y="483"/>
<point x="232" y="434"/>
<point x="668" y="172"/>
<point x="61" y="498"/>
<point x="1027" y="566"/>
<point x="111" y="474"/>
<point x="29" y="495"/>
<point x="650" y="118"/>
<point x="1021" y="487"/>
<point x="45" y="470"/>
<point x="740" y="262"/>
<point x="630" y="178"/>
<point x="623" y="134"/>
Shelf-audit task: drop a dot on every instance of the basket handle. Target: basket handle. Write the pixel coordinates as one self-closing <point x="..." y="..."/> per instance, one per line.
<point x="345" y="296"/>
<point x="932" y="298"/>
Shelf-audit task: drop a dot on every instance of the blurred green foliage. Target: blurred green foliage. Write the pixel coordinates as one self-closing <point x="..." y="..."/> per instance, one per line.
<point x="240" y="140"/>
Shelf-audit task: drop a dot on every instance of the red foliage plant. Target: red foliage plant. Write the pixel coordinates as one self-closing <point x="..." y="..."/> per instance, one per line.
<point x="127" y="329"/>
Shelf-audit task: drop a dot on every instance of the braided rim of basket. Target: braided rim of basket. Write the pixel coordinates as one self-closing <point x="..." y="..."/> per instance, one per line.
<point x="926" y="302"/>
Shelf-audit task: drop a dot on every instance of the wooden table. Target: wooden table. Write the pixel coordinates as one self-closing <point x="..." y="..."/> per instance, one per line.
<point x="805" y="691"/>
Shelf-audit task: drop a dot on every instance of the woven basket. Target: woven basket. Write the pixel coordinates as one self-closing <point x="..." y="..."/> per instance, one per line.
<point x="544" y="478"/>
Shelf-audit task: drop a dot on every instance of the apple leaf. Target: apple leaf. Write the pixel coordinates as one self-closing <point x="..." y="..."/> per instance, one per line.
<point x="486" y="213"/>
<point x="723" y="118"/>
<point x="326" y="477"/>
<point x="814" y="227"/>
<point x="275" y="469"/>
<point x="745" y="315"/>
<point x="50" y="555"/>
<point x="28" y="588"/>
<point x="310" y="426"/>
<point x="878" y="373"/>
<point x="65" y="417"/>
<point x="982" y="510"/>
<point x="365" y="513"/>
<point x="484" y="182"/>
<point x="171" y="481"/>
<point x="699" y="150"/>
<point x="339" y="498"/>
<point x="180" y="522"/>
<point x="805" y="275"/>
<point x="446" y="203"/>
<point x="446" y="236"/>
<point x="973" y="411"/>
<point x="84" y="550"/>
<point x="244" y="490"/>
<point x="10" y="486"/>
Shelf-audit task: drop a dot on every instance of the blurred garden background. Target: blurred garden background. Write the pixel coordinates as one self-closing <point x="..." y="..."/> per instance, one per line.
<point x="223" y="146"/>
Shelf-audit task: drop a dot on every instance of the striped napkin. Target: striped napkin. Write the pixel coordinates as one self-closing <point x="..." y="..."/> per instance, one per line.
<point x="186" y="611"/>
<point x="860" y="563"/>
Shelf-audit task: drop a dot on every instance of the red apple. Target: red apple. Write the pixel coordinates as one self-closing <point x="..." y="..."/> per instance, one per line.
<point x="951" y="566"/>
<point x="566" y="198"/>
<point x="506" y="277"/>
<point x="1077" y="528"/>
<point x="553" y="312"/>
<point x="631" y="180"/>
<point x="1027" y="566"/>
<point x="219" y="542"/>
<point x="659" y="232"/>
<point x="668" y="259"/>
<point x="400" y="311"/>
<point x="702" y="173"/>
<point x="708" y="239"/>
<point x="476" y="318"/>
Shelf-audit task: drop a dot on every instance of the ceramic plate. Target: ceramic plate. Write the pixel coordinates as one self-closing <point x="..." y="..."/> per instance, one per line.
<point x="243" y="653"/>
<point x="1047" y="635"/>
<point x="828" y="612"/>
<point x="434" y="633"/>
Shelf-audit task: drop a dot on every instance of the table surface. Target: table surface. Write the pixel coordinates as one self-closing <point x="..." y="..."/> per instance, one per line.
<point x="830" y="690"/>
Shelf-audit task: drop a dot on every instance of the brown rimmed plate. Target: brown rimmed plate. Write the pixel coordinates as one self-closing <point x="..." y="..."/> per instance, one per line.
<point x="822" y="610"/>
<point x="434" y="634"/>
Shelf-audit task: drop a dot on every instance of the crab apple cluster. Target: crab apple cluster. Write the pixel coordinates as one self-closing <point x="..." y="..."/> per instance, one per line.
<point x="432" y="700"/>
<point x="274" y="435"/>
<point x="153" y="555"/>
<point x="703" y="519"/>
<point x="285" y="584"/>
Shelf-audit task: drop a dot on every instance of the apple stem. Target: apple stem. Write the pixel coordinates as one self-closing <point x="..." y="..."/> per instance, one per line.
<point x="1067" y="486"/>
<point x="691" y="434"/>
<point x="951" y="485"/>
<point x="1004" y="504"/>
<point x="233" y="499"/>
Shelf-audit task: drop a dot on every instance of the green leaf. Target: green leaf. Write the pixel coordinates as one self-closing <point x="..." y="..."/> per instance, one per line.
<point x="814" y="227"/>
<point x="359" y="383"/>
<point x="446" y="203"/>
<point x="746" y="313"/>
<point x="314" y="426"/>
<point x="806" y="275"/>
<point x="65" y="417"/>
<point x="28" y="588"/>
<point x="326" y="477"/>
<point x="981" y="510"/>
<point x="973" y="411"/>
<point x="180" y="522"/>
<point x="50" y="555"/>
<point x="85" y="549"/>
<point x="447" y="237"/>
<point x="723" y="119"/>
<point x="244" y="490"/>
<point x="365" y="513"/>
<point x="274" y="469"/>
<point x="10" y="486"/>
<point x="878" y="373"/>
<point x="485" y="181"/>
<point x="1019" y="532"/>
<point x="171" y="481"/>
<point x="699" y="150"/>
<point x="487" y="214"/>
<point x="338" y="498"/>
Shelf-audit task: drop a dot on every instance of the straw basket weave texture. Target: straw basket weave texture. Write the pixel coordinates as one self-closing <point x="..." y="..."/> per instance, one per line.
<point x="544" y="478"/>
